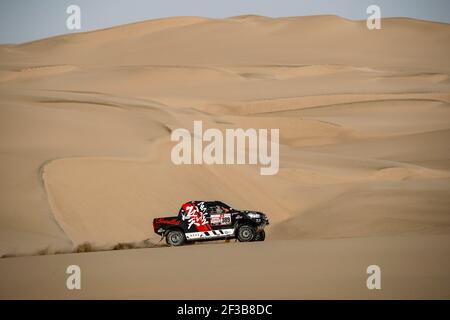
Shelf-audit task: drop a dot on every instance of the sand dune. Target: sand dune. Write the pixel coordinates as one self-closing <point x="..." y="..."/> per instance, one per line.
<point x="364" y="123"/>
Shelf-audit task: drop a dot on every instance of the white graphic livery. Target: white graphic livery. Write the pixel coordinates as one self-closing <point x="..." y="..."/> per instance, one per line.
<point x="209" y="234"/>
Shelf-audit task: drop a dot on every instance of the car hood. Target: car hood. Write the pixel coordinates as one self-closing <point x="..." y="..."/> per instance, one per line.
<point x="251" y="211"/>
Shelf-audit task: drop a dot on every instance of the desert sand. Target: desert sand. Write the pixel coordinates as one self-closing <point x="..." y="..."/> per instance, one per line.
<point x="364" y="120"/>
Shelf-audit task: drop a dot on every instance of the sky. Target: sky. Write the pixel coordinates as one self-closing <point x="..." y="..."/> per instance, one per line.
<point x="26" y="20"/>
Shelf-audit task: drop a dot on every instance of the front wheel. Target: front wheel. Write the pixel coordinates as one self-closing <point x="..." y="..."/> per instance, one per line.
<point x="246" y="233"/>
<point x="175" y="238"/>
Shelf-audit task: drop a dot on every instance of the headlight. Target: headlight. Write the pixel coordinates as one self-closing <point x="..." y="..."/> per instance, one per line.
<point x="254" y="215"/>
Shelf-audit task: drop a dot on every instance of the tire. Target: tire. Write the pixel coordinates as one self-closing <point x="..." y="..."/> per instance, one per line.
<point x="260" y="236"/>
<point x="175" y="238"/>
<point x="245" y="233"/>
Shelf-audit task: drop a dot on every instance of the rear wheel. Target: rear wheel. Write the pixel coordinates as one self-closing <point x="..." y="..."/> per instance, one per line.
<point x="175" y="238"/>
<point x="246" y="233"/>
<point x="260" y="236"/>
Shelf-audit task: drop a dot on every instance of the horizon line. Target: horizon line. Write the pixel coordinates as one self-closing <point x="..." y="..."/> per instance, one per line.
<point x="212" y="18"/>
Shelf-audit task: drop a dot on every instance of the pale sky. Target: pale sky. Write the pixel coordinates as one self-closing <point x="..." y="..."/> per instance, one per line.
<point x="26" y="20"/>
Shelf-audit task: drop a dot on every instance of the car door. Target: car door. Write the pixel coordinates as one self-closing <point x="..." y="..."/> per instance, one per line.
<point x="219" y="217"/>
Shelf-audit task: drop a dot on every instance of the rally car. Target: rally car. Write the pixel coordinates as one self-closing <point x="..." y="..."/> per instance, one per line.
<point x="207" y="220"/>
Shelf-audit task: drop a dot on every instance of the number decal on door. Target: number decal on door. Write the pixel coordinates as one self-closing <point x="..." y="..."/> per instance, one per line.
<point x="226" y="219"/>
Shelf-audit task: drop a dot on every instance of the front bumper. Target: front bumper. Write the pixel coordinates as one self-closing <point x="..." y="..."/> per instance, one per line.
<point x="262" y="223"/>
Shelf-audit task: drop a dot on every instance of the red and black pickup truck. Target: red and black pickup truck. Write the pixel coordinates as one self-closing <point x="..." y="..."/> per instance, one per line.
<point x="206" y="220"/>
